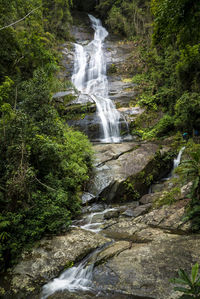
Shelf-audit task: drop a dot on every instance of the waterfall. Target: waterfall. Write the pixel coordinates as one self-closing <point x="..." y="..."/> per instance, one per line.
<point x="89" y="76"/>
<point x="176" y="163"/>
<point x="79" y="277"/>
<point x="178" y="159"/>
<point x="76" y="278"/>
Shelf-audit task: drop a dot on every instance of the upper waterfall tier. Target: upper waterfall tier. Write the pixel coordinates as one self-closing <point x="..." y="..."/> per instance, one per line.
<point x="89" y="77"/>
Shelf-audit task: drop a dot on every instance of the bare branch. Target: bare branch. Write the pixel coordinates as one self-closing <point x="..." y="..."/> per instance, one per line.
<point x="44" y="185"/>
<point x="20" y="19"/>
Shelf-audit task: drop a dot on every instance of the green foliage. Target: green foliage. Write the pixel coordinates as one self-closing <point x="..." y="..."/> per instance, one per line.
<point x="131" y="191"/>
<point x="191" y="283"/>
<point x="187" y="111"/>
<point x="188" y="68"/>
<point x="57" y="17"/>
<point x="44" y="164"/>
<point x="162" y="128"/>
<point x="29" y="44"/>
<point x="175" y="22"/>
<point x="126" y="17"/>
<point x="189" y="170"/>
<point x="167" y="197"/>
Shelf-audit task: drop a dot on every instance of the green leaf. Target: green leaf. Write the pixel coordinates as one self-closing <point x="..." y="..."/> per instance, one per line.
<point x="179" y="281"/>
<point x="185" y="277"/>
<point x="195" y="270"/>
<point x="184" y="290"/>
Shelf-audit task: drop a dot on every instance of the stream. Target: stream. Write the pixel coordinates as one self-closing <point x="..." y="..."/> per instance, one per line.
<point x="89" y="77"/>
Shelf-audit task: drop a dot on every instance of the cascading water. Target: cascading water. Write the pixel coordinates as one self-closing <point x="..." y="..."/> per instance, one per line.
<point x="89" y="77"/>
<point x="178" y="159"/>
<point x="78" y="278"/>
<point x="176" y="163"/>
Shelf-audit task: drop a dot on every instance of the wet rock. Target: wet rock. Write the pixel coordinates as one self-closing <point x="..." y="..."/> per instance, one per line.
<point x="122" y="93"/>
<point x="61" y="94"/>
<point x="112" y="214"/>
<point x="129" y="114"/>
<point x="148" y="198"/>
<point x="81" y="30"/>
<point x="88" y="124"/>
<point x="89" y="295"/>
<point x="137" y="211"/>
<point x="122" y="170"/>
<point x="111" y="251"/>
<point x="145" y="269"/>
<point x="146" y="228"/>
<point x="96" y="207"/>
<point x="50" y="256"/>
<point x="107" y="152"/>
<point x="87" y="197"/>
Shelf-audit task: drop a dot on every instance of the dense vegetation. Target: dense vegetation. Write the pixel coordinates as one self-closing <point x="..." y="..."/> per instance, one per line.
<point x="168" y="76"/>
<point x="43" y="162"/>
<point x="169" y="33"/>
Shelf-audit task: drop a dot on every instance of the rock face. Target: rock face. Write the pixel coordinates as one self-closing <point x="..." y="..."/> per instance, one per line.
<point x="145" y="268"/>
<point x="124" y="171"/>
<point x="147" y="254"/>
<point x="121" y="90"/>
<point x="149" y="244"/>
<point x="49" y="257"/>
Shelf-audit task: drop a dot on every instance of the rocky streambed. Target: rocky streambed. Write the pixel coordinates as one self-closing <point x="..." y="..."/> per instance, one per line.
<point x="145" y="246"/>
<point x="142" y="246"/>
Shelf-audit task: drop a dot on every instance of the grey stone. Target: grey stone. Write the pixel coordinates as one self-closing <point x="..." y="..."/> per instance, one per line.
<point x="147" y="198"/>
<point x="137" y="211"/>
<point x="145" y="269"/>
<point x="117" y="165"/>
<point x="50" y="256"/>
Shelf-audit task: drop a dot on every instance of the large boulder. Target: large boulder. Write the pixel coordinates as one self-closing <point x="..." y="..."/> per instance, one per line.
<point x="124" y="171"/>
<point x="49" y="257"/>
<point x="145" y="268"/>
<point x="149" y="250"/>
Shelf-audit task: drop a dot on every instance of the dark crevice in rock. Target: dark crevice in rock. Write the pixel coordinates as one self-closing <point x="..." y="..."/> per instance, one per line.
<point x="117" y="156"/>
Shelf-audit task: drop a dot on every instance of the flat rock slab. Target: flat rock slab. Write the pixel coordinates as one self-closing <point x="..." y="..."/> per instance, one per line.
<point x="140" y="210"/>
<point x="145" y="269"/>
<point x="147" y="227"/>
<point x="107" y="152"/>
<point x="51" y="256"/>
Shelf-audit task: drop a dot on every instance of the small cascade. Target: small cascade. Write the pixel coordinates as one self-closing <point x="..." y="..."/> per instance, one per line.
<point x="89" y="77"/>
<point x="93" y="226"/>
<point x="176" y="163"/>
<point x="77" y="278"/>
<point x="178" y="159"/>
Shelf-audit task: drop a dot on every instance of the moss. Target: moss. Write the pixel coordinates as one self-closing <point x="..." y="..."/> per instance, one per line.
<point x="168" y="197"/>
<point x="68" y="265"/>
<point x="138" y="185"/>
<point x="112" y="69"/>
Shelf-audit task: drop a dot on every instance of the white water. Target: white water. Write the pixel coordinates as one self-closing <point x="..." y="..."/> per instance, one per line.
<point x="89" y="77"/>
<point x="176" y="163"/>
<point x="93" y="226"/>
<point x="178" y="159"/>
<point x="78" y="277"/>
